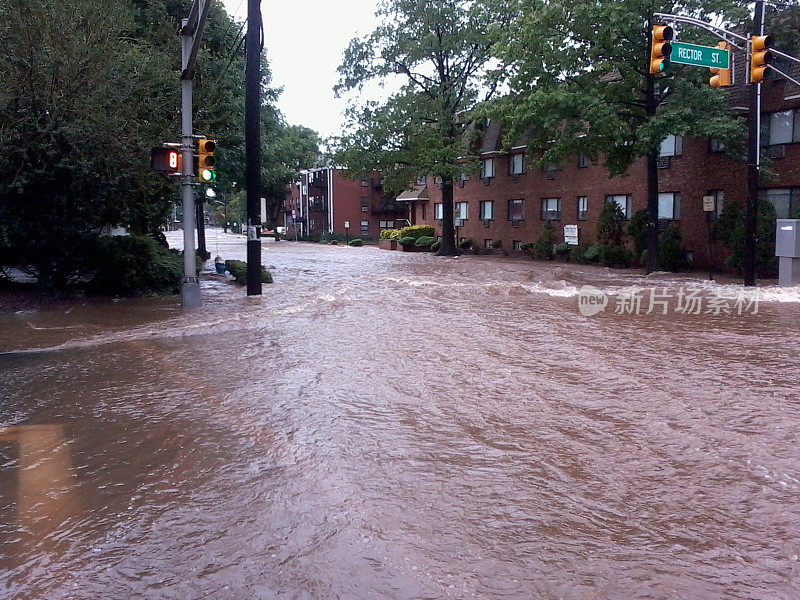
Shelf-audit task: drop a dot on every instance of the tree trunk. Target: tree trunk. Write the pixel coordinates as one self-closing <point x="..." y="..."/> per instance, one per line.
<point x="448" y="247"/>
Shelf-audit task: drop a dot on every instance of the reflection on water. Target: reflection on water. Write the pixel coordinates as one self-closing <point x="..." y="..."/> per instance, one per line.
<point x="393" y="425"/>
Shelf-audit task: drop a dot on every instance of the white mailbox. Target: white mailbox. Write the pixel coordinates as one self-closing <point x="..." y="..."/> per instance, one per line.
<point x="787" y="238"/>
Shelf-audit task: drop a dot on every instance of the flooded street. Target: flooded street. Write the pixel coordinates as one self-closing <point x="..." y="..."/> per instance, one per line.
<point x="399" y="426"/>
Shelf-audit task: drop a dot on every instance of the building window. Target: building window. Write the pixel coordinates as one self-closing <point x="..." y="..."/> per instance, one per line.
<point x="487" y="243"/>
<point x="516" y="164"/>
<point x="715" y="146"/>
<point x="364" y="183"/>
<point x="781" y="128"/>
<point x="461" y="210"/>
<point x="364" y="204"/>
<point x="422" y="180"/>
<point x="785" y="200"/>
<point x="487" y="210"/>
<point x="487" y="168"/>
<point x="583" y="161"/>
<point x="551" y="209"/>
<point x="515" y="210"/>
<point x="719" y="202"/>
<point x="438" y="211"/>
<point x="517" y="245"/>
<point x="671" y="146"/>
<point x="669" y="206"/>
<point x="623" y="201"/>
<point x="549" y="169"/>
<point x="386" y="225"/>
<point x="365" y="226"/>
<point x="583" y="208"/>
<point x="423" y="209"/>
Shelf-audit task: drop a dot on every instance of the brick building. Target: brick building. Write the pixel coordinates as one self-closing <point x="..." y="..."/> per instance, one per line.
<point x="324" y="200"/>
<point x="511" y="200"/>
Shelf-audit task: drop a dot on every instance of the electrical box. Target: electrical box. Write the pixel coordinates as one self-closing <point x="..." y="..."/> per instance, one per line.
<point x="787" y="238"/>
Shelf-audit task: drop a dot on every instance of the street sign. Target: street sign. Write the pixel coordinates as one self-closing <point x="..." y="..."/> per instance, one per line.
<point x="571" y="235"/>
<point x="347" y="224"/>
<point x="700" y="56"/>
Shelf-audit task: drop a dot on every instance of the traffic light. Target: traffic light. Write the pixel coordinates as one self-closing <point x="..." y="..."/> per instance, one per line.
<point x="760" y="57"/>
<point x="168" y="160"/>
<point x="660" y="48"/>
<point x="721" y="77"/>
<point x="205" y="164"/>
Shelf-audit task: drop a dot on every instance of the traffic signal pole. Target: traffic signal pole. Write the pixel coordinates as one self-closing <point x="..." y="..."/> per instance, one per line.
<point x="252" y="141"/>
<point x="191" y="33"/>
<point x="190" y="289"/>
<point x="753" y="163"/>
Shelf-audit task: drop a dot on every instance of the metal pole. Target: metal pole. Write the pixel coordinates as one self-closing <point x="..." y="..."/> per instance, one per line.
<point x="753" y="163"/>
<point x="190" y="290"/>
<point x="252" y="128"/>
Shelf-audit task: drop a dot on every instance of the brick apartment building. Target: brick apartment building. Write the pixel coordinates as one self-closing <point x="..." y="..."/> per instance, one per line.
<point x="325" y="200"/>
<point x="511" y="200"/>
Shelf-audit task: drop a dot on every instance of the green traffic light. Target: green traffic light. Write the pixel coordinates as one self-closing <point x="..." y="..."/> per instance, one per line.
<point x="208" y="175"/>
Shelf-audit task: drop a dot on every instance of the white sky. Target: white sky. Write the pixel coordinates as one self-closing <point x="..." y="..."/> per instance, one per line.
<point x="305" y="41"/>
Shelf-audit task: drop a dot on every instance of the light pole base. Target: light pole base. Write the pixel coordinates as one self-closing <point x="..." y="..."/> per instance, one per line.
<point x="190" y="295"/>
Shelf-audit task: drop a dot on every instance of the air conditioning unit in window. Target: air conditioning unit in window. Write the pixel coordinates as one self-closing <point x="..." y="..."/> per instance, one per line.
<point x="487" y="222"/>
<point x="515" y="223"/>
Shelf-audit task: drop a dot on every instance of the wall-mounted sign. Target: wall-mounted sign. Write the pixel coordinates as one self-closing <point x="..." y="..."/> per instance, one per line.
<point x="571" y="235"/>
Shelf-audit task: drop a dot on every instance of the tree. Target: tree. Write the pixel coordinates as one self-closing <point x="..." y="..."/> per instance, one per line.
<point x="440" y="50"/>
<point x="581" y="84"/>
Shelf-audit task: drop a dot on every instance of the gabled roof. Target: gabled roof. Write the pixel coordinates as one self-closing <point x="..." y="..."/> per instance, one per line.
<point x="419" y="193"/>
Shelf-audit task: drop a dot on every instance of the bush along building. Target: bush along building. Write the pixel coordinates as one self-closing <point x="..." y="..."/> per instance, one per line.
<point x="511" y="199"/>
<point x="328" y="201"/>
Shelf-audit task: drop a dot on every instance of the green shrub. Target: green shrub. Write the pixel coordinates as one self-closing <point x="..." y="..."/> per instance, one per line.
<point x="671" y="253"/>
<point x="542" y="248"/>
<point x="407" y="241"/>
<point x="608" y="255"/>
<point x="496" y="244"/>
<point x="466" y="244"/>
<point x="436" y="245"/>
<point x="356" y="242"/>
<point x="610" y="224"/>
<point x="389" y="234"/>
<point x="577" y="254"/>
<point x="637" y="230"/>
<point x="730" y="230"/>
<point x="425" y="241"/>
<point x="238" y="269"/>
<point x="415" y="231"/>
<point x="334" y="242"/>
<point x="134" y="265"/>
<point x="562" y="249"/>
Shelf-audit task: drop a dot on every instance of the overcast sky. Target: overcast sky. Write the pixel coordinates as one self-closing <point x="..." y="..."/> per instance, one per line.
<point x="304" y="42"/>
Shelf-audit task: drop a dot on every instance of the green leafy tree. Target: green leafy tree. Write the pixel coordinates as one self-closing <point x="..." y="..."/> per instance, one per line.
<point x="441" y="51"/>
<point x="580" y="83"/>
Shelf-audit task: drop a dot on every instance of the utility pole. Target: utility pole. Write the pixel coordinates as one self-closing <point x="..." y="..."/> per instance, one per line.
<point x="252" y="141"/>
<point x="753" y="164"/>
<point x="191" y="33"/>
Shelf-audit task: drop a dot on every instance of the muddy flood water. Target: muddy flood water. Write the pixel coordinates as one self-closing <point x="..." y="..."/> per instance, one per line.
<point x="400" y="426"/>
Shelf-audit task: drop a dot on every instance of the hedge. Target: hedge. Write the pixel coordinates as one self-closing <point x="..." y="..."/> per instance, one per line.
<point x="238" y="269"/>
<point x="416" y="231"/>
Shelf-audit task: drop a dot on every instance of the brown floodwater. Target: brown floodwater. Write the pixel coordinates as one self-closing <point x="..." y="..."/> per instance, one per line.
<point x="400" y="426"/>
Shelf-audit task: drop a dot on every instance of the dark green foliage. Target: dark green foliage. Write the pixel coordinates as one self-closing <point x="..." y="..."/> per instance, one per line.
<point x="436" y="245"/>
<point x="577" y="254"/>
<point x="425" y="241"/>
<point x="608" y="255"/>
<point x="671" y="253"/>
<point x="562" y="250"/>
<point x="542" y="247"/>
<point x="334" y="242"/>
<point x="495" y="244"/>
<point x="238" y="269"/>
<point x="637" y="230"/>
<point x="610" y="224"/>
<point x="729" y="228"/>
<point x="416" y="231"/>
<point x="466" y="244"/>
<point x="134" y="265"/>
<point x="356" y="242"/>
<point x="407" y="241"/>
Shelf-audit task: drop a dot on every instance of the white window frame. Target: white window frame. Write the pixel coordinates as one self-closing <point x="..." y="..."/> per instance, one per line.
<point x="438" y="211"/>
<point x="365" y="226"/>
<point x="672" y="145"/>
<point x="516" y="164"/>
<point x="461" y="210"/>
<point x="669" y="206"/>
<point x="548" y="213"/>
<point x="516" y="202"/>
<point x="585" y="211"/>
<point x="487" y="168"/>
<point x="487" y="215"/>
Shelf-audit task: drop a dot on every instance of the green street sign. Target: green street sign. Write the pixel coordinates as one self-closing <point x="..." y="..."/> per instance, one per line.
<point x="700" y="56"/>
